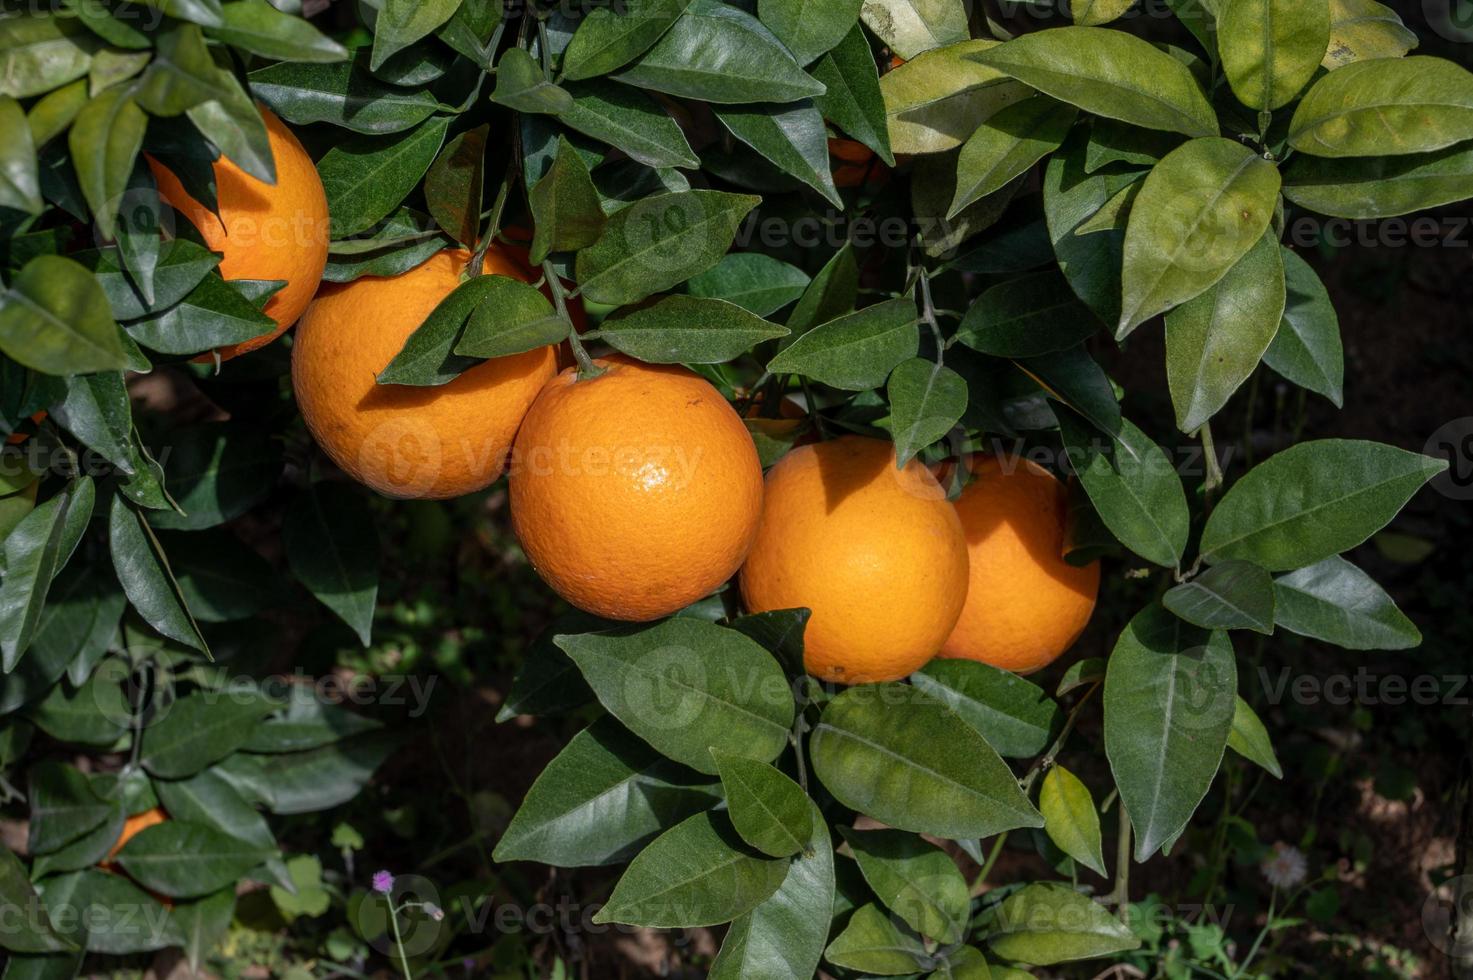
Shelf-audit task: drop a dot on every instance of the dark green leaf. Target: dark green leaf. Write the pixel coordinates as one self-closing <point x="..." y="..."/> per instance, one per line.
<point x="201" y="729"/>
<point x="202" y="924"/>
<point x="402" y="22"/>
<point x="660" y="242"/>
<point x="55" y="318"/>
<point x="603" y="797"/>
<point x="109" y="914"/>
<point x="1014" y="715"/>
<point x="853" y="101"/>
<point x="509" y="318"/>
<point x="758" y="283"/>
<point x="310" y="721"/>
<point x="915" y="880"/>
<point x="143" y="571"/>
<point x="343" y="94"/>
<point x="35" y="551"/>
<point x="810" y="27"/>
<point x="258" y="27"/>
<point x="685" y="686"/>
<point x="855" y="352"/>
<point x="896" y="754"/>
<point x="1007" y="144"/>
<point x="927" y="400"/>
<point x="332" y="547"/>
<point x="63" y="806"/>
<point x="306" y="782"/>
<point x="607" y="39"/>
<point x="184" y="860"/>
<point x="1307" y="349"/>
<point x="521" y="85"/>
<point x="628" y="120"/>
<point x="1338" y="603"/>
<point x="831" y="294"/>
<point x="221" y="578"/>
<point x="698" y="873"/>
<point x="1169" y="695"/>
<point x="181" y="266"/>
<point x="792" y="137"/>
<point x="567" y="213"/>
<point x="1075" y="379"/>
<point x="1027" y="317"/>
<point x="453" y="186"/>
<point x="367" y="178"/>
<point x="1314" y="500"/>
<point x="720" y="54"/>
<point x="216" y="472"/>
<point x="1232" y="596"/>
<point x="94" y="713"/>
<point x="768" y="810"/>
<point x="688" y="330"/>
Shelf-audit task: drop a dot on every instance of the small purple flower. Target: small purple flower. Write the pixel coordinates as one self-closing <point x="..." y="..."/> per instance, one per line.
<point x="383" y="882"/>
<point x="434" y="911"/>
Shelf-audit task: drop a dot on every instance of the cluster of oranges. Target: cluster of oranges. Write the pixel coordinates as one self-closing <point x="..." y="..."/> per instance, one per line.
<point x="637" y="491"/>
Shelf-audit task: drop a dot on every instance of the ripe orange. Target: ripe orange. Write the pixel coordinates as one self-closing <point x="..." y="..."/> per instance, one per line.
<point x="17" y="438"/>
<point x="264" y="231"/>
<point x="1025" y="604"/>
<point x="876" y="553"/>
<point x="134" y="826"/>
<point x="635" y="492"/>
<point x="403" y="441"/>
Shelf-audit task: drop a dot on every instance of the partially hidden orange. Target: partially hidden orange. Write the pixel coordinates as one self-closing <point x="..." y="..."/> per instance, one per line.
<point x="263" y="231"/>
<point x="877" y="553"/>
<point x="635" y="492"/>
<point x="1025" y="604"/>
<point x="407" y="441"/>
<point x="134" y="826"/>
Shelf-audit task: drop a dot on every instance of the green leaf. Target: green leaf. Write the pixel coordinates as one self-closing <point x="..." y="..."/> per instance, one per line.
<point x="873" y="943"/>
<point x="343" y="94"/>
<point x="628" y="120"/>
<point x="1314" y="500"/>
<point x="1070" y="818"/>
<point x="306" y="782"/>
<point x="915" y="880"/>
<point x="927" y="400"/>
<point x="39" y="53"/>
<point x="216" y="472"/>
<point x="688" y="330"/>
<point x="1231" y="596"/>
<point x="80" y="618"/>
<point x="1385" y="107"/>
<point x="853" y="101"/>
<point x="64" y="806"/>
<point x="567" y="213"/>
<point x="453" y="185"/>
<point x="1338" y="603"/>
<point x="215" y="314"/>
<point x="144" y="573"/>
<point x="35" y="551"/>
<point x="898" y="755"/>
<point x="785" y="934"/>
<point x="1014" y="715"/>
<point x="600" y="800"/>
<point x="934" y="102"/>
<point x="1201" y="210"/>
<point x="831" y="293"/>
<point x="910" y="27"/>
<point x="547" y="681"/>
<point x="720" y="54"/>
<point x="181" y="266"/>
<point x="221" y="578"/>
<point x="1272" y="48"/>
<point x="1072" y="378"/>
<point x="793" y="137"/>
<point x="1134" y="487"/>
<point x="310" y="721"/>
<point x="20" y="186"/>
<point x="660" y="242"/>
<point x="1307" y="349"/>
<point x="1364" y="29"/>
<point x="607" y="39"/>
<point x="1048" y="923"/>
<point x="810" y="28"/>
<point x="402" y="22"/>
<point x="1380" y="187"/>
<point x="1109" y="73"/>
<point x="32" y="933"/>
<point x="1215" y="341"/>
<point x="1072" y="197"/>
<point x="427" y="357"/>
<point x="201" y="729"/>
<point x="855" y="352"/>
<point x="331" y="540"/>
<point x="521" y="85"/>
<point x="1250" y="739"/>
<point x="184" y="860"/>
<point x="1037" y="314"/>
<point x="260" y="28"/>
<point x="366" y="178"/>
<point x="55" y="319"/>
<point x="768" y="810"/>
<point x="1007" y="144"/>
<point x="697" y="873"/>
<point x="1093" y="13"/>
<point x="510" y="317"/>
<point x="110" y="914"/>
<point x="93" y="713"/>
<point x="1169" y="694"/>
<point x="685" y="686"/>
<point x="202" y="924"/>
<point x="758" y="283"/>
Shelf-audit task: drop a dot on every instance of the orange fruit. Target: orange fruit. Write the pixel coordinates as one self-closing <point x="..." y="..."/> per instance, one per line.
<point x="1025" y="604"/>
<point x="855" y="164"/>
<point x="263" y="231"/>
<point x="134" y="826"/>
<point x="876" y="553"/>
<point x="17" y="438"/>
<point x="636" y="492"/>
<point x="405" y="441"/>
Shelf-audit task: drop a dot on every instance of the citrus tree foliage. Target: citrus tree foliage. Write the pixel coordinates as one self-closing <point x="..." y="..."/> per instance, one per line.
<point x="1021" y="204"/>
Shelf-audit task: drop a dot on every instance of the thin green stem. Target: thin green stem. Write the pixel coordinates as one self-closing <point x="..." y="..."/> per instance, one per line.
<point x="977" y="886"/>
<point x="1262" y="934"/>
<point x="399" y="940"/>
<point x="1120" y="895"/>
<point x="1209" y="455"/>
<point x="586" y="368"/>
